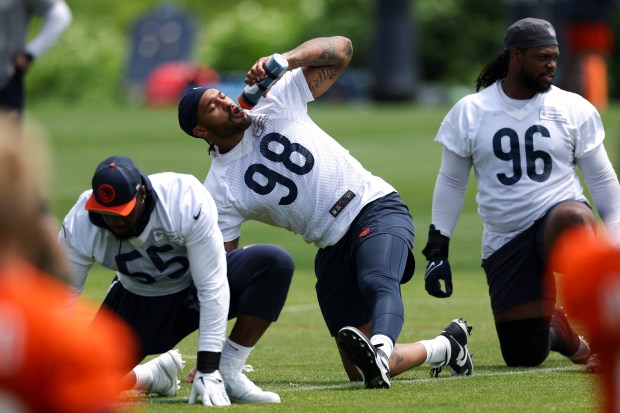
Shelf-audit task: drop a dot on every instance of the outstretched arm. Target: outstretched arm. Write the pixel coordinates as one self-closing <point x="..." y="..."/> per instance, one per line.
<point x="322" y="60"/>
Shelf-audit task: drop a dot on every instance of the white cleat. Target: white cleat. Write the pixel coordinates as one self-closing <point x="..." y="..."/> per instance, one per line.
<point x="165" y="371"/>
<point x="240" y="388"/>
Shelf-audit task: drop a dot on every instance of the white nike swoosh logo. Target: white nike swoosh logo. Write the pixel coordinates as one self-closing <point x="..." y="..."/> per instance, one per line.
<point x="431" y="267"/>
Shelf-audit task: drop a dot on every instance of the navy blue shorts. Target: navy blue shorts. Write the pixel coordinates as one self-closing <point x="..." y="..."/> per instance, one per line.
<point x="259" y="277"/>
<point x="380" y="239"/>
<point x="12" y="94"/>
<point x="516" y="273"/>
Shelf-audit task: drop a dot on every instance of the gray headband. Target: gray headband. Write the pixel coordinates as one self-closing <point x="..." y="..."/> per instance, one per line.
<point x="529" y="32"/>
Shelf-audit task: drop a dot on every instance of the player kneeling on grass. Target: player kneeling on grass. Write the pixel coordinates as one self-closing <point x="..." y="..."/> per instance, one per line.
<point x="173" y="276"/>
<point x="275" y="165"/>
<point x="524" y="139"/>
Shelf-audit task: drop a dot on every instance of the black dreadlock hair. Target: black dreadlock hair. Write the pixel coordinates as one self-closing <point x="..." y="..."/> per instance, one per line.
<point x="494" y="70"/>
<point x="211" y="146"/>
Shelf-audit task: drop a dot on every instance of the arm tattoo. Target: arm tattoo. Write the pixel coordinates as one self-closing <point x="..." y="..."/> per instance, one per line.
<point x="307" y="54"/>
<point x="329" y="72"/>
<point x="332" y="59"/>
<point x="323" y="52"/>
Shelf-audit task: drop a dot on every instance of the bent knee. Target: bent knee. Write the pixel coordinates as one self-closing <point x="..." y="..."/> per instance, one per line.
<point x="571" y="213"/>
<point x="524" y="343"/>
<point x="272" y="257"/>
<point x="278" y="257"/>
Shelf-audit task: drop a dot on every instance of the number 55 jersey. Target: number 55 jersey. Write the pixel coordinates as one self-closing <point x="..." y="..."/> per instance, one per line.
<point x="289" y="173"/>
<point x="179" y="243"/>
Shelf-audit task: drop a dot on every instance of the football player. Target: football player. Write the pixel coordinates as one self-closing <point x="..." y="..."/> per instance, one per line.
<point x="173" y="276"/>
<point x="18" y="53"/>
<point x="524" y="138"/>
<point x="273" y="164"/>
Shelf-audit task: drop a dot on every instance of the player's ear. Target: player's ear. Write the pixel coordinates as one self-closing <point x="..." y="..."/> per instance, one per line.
<point x="515" y="54"/>
<point x="200" y="132"/>
<point x="142" y="195"/>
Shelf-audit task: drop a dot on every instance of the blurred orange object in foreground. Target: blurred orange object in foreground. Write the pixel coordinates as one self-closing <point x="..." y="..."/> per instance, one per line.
<point x="52" y="358"/>
<point x="590" y="289"/>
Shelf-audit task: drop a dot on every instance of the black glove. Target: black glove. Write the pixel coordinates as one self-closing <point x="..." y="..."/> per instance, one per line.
<point x="438" y="268"/>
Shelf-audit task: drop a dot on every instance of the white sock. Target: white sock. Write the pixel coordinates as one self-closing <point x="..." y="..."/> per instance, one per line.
<point x="437" y="349"/>
<point x="144" y="378"/>
<point x="234" y="351"/>
<point x="383" y="342"/>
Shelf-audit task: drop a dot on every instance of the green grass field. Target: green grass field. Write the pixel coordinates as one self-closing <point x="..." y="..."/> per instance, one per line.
<point x="297" y="358"/>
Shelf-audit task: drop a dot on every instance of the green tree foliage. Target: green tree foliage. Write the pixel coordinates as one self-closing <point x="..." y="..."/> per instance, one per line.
<point x="457" y="38"/>
<point x="454" y="39"/>
<point x="85" y="66"/>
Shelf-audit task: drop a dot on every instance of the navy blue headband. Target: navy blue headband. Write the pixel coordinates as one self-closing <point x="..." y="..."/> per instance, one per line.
<point x="188" y="109"/>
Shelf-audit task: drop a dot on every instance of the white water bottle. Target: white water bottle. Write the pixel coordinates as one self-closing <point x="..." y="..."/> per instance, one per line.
<point x="274" y="68"/>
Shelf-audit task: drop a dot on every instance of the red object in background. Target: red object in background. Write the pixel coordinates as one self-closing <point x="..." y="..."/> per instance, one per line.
<point x="591" y="43"/>
<point x="590" y="37"/>
<point x="166" y="83"/>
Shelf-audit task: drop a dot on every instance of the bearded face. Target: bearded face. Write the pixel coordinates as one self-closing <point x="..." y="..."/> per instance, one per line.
<point x="230" y="127"/>
<point x="535" y="83"/>
<point x="537" y="68"/>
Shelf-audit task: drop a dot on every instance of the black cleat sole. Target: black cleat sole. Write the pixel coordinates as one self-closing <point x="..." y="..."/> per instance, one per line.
<point x="359" y="352"/>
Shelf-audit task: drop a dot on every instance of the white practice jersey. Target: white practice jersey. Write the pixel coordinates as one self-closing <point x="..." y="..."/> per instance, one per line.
<point x="524" y="157"/>
<point x="181" y="244"/>
<point x="289" y="173"/>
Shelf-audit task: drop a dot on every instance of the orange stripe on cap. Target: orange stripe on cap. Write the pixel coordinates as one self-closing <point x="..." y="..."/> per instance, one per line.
<point x="123" y="210"/>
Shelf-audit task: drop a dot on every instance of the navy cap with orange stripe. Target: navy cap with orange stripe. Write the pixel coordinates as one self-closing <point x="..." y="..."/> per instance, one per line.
<point x="116" y="185"/>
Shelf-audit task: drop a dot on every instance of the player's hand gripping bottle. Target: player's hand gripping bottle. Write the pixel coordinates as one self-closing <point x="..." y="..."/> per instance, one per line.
<point x="274" y="68"/>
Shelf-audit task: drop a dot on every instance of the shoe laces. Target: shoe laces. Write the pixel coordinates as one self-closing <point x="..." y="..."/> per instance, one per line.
<point x="238" y="376"/>
<point x="382" y="354"/>
<point x="379" y="351"/>
<point x="243" y="381"/>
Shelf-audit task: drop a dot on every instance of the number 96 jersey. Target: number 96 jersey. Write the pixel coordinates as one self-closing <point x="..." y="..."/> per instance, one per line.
<point x="289" y="173"/>
<point x="524" y="152"/>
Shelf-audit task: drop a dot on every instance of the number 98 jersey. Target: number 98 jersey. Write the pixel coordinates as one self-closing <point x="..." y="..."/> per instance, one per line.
<point x="288" y="172"/>
<point x="524" y="152"/>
